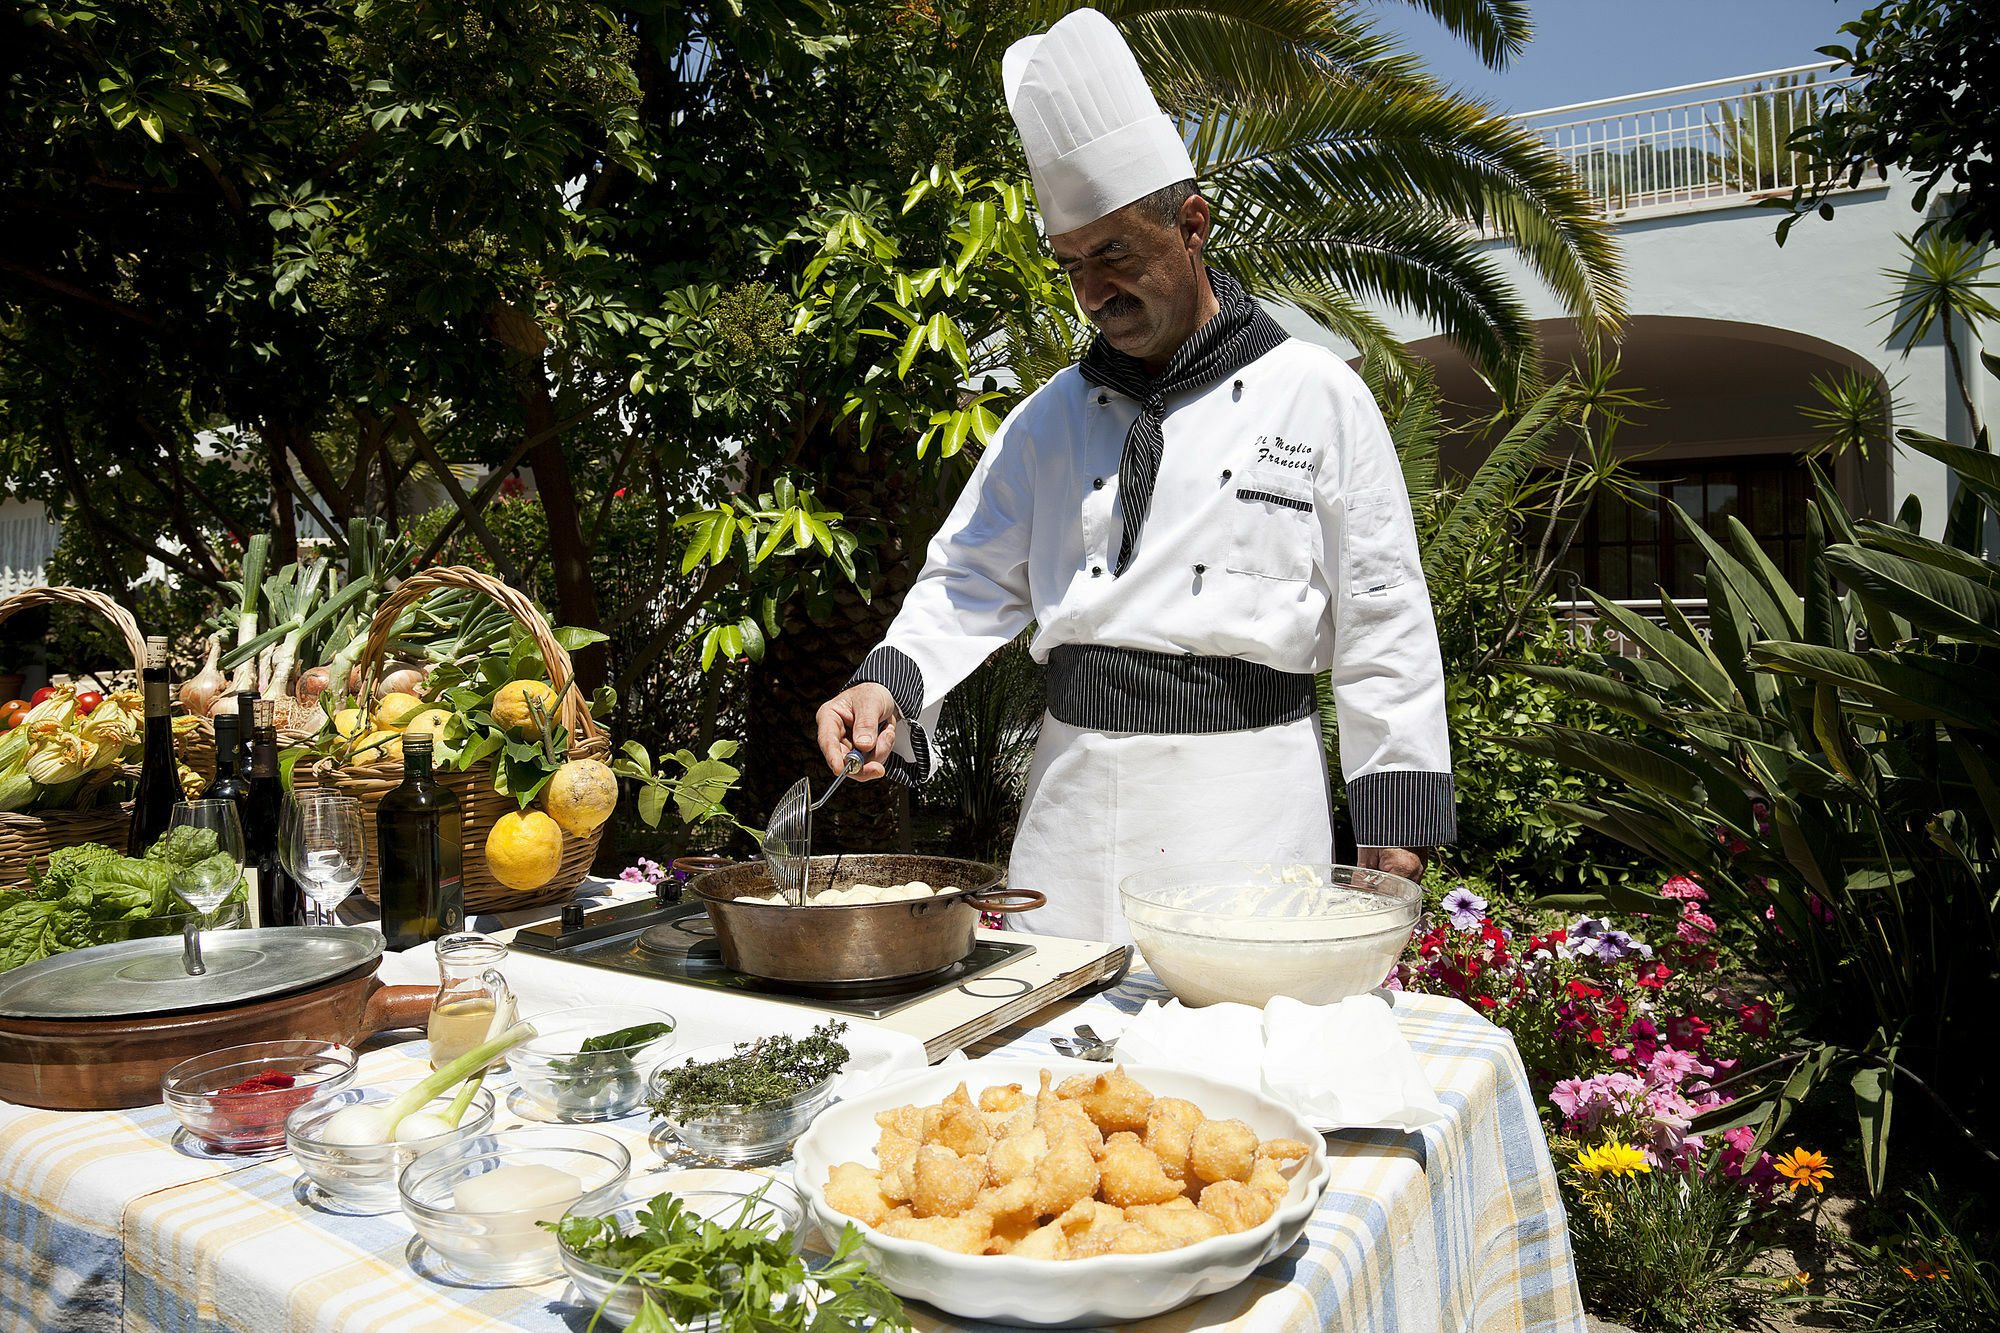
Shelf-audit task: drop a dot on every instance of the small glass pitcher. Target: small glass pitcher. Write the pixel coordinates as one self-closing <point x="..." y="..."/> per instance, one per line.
<point x="473" y="1000"/>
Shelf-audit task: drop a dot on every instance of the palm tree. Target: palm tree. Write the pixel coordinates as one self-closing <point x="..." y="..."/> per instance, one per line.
<point x="1345" y="178"/>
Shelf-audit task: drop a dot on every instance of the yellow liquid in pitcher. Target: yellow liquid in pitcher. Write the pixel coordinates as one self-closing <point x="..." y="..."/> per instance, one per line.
<point x="458" y="1027"/>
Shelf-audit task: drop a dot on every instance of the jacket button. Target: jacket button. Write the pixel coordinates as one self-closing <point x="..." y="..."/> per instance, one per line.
<point x="1226" y="474"/>
<point x="1097" y="483"/>
<point x="1201" y="569"/>
<point x="1104" y="399"/>
<point x="1239" y="386"/>
<point x="1097" y="571"/>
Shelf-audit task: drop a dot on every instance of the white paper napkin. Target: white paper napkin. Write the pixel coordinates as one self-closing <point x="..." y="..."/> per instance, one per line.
<point x="1341" y="1066"/>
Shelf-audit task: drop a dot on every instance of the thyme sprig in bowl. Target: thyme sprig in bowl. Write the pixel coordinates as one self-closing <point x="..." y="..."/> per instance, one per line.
<point x="749" y="1102"/>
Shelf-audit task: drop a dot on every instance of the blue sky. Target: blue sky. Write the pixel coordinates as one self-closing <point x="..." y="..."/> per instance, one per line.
<point x="1586" y="49"/>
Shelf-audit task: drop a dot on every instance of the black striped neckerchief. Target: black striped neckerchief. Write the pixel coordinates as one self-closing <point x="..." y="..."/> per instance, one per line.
<point x="1238" y="334"/>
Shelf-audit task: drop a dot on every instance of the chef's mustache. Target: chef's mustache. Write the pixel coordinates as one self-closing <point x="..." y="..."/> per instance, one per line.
<point x="1117" y="308"/>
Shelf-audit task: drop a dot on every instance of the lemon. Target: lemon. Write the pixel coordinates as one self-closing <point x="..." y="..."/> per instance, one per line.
<point x="348" y="723"/>
<point x="581" y="795"/>
<point x="375" y="746"/>
<point x="432" y="721"/>
<point x="524" y="850"/>
<point x="394" y="711"/>
<point x="511" y="711"/>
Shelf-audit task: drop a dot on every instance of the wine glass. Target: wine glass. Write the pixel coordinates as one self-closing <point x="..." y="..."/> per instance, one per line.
<point x="203" y="882"/>
<point x="320" y="844"/>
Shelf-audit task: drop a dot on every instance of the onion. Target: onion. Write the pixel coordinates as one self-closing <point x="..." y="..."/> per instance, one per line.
<point x="422" y="1125"/>
<point x="400" y="678"/>
<point x="313" y="682"/>
<point x="200" y="691"/>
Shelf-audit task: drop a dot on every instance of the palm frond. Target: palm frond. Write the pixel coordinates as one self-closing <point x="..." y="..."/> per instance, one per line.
<point x="1493" y="488"/>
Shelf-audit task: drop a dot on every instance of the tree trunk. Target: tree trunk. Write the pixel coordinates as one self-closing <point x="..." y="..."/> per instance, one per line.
<point x="576" y="596"/>
<point x="284" y="519"/>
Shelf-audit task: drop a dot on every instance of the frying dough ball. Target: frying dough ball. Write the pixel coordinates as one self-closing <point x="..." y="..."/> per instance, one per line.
<point x="1014" y="1201"/>
<point x="1125" y="1238"/>
<point x="1065" y="1177"/>
<point x="853" y="1189"/>
<point x="1178" y="1218"/>
<point x="1236" y="1205"/>
<point x="898" y="1156"/>
<point x="963" y="1235"/>
<point x="1222" y="1150"/>
<point x="1015" y="1156"/>
<point x="1008" y="1098"/>
<point x="1130" y="1175"/>
<point x="1266" y="1176"/>
<point x="1283" y="1150"/>
<point x="1170" y="1126"/>
<point x="963" y="1130"/>
<point x="947" y="1185"/>
<point x="1047" y="1242"/>
<point x="905" y="1120"/>
<point x="1116" y="1102"/>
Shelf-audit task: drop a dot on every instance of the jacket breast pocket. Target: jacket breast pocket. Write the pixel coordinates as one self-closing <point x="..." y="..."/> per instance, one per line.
<point x="1272" y="534"/>
<point x="1374" y="552"/>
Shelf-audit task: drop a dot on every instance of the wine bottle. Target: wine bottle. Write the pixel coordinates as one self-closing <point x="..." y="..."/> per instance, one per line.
<point x="275" y="894"/>
<point x="230" y="782"/>
<point x="246" y="728"/>
<point x="417" y="831"/>
<point x="159" y="774"/>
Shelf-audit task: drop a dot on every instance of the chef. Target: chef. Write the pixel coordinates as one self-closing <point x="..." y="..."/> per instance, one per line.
<point x="1197" y="517"/>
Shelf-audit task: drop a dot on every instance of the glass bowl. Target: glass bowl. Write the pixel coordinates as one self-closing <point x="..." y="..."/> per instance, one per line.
<point x="559" y="1080"/>
<point x="197" y="1090"/>
<point x="760" y="1132"/>
<point x="1245" y="931"/>
<point x="503" y="1245"/>
<point x="717" y="1196"/>
<point x="364" y="1175"/>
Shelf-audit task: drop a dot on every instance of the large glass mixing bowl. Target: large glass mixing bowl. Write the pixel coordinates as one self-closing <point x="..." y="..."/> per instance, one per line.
<point x="1245" y="931"/>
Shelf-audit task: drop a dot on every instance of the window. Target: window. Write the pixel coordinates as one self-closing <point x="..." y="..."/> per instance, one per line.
<point x="1632" y="550"/>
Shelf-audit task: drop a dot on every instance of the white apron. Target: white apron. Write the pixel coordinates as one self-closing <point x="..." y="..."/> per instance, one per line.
<point x="1102" y="805"/>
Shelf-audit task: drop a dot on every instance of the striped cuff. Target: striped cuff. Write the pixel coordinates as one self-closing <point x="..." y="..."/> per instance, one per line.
<point x="895" y="671"/>
<point x="1402" y="809"/>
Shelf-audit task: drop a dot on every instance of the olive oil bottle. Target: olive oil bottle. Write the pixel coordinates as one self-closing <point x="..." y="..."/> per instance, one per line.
<point x="417" y="831"/>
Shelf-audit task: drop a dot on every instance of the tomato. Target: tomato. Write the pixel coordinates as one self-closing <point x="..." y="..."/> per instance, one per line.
<point x="12" y="712"/>
<point x="86" y="701"/>
<point x="40" y="695"/>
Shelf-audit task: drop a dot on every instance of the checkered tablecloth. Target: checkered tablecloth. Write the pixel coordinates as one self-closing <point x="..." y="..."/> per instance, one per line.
<point x="112" y="1221"/>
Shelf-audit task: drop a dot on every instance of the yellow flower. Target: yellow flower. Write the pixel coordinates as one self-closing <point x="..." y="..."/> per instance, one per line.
<point x="1925" y="1272"/>
<point x="1804" y="1168"/>
<point x="1612" y="1159"/>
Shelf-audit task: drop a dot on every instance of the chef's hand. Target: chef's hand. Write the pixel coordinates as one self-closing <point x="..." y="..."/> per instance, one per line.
<point x="1405" y="861"/>
<point x="861" y="717"/>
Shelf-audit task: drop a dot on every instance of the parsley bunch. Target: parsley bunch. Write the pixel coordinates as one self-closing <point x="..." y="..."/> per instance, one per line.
<point x="742" y="1274"/>
<point x="769" y="1070"/>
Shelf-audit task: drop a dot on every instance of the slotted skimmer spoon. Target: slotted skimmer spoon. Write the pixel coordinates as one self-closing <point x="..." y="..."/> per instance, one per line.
<point x="788" y="837"/>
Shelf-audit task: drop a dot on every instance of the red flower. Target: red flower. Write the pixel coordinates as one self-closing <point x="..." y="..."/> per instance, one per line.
<point x="513" y="487"/>
<point x="1652" y="974"/>
<point x="1756" y="1018"/>
<point x="1687" y="1032"/>
<point x="1583" y="990"/>
<point x="1684" y="886"/>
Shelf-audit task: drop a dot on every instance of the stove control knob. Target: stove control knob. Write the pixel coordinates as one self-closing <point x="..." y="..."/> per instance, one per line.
<point x="572" y="917"/>
<point x="667" y="892"/>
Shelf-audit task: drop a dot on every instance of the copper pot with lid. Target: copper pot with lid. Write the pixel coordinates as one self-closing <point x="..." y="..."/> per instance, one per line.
<point x="860" y="941"/>
<point x="96" y="1028"/>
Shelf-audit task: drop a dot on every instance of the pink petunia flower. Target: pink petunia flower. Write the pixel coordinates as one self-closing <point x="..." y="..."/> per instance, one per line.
<point x="1681" y="886"/>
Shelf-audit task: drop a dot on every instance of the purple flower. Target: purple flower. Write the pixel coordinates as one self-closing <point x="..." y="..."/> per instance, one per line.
<point x="1594" y="938"/>
<point x="643" y="871"/>
<point x="1465" y="908"/>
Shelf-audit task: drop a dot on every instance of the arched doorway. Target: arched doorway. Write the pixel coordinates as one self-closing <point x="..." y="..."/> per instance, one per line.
<point x="1727" y="438"/>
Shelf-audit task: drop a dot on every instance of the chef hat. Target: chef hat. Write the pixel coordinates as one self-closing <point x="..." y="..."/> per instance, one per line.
<point x="1095" y="137"/>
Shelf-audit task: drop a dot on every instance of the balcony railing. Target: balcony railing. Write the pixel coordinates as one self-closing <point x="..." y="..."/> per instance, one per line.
<point x="1586" y="630"/>
<point x="1700" y="145"/>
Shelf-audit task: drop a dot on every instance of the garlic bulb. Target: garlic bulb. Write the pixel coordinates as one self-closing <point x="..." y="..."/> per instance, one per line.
<point x="200" y="691"/>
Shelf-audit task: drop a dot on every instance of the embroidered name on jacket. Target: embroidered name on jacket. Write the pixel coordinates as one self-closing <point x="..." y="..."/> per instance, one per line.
<point x="1280" y="474"/>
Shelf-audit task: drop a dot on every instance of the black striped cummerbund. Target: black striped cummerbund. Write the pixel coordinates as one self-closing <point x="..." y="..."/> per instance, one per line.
<point x="1123" y="689"/>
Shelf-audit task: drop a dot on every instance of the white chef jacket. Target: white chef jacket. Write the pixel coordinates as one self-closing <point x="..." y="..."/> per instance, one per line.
<point x="1280" y="533"/>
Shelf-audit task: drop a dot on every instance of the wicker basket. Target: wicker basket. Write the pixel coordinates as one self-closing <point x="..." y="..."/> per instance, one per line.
<point x="479" y="805"/>
<point x="27" y="840"/>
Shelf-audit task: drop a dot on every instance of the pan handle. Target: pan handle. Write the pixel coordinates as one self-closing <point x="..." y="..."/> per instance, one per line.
<point x="392" y="1007"/>
<point x="1005" y="900"/>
